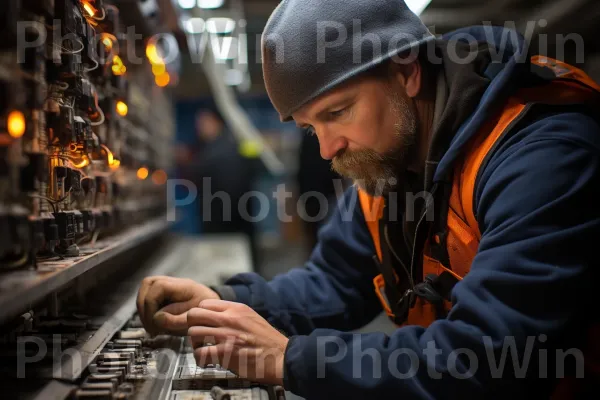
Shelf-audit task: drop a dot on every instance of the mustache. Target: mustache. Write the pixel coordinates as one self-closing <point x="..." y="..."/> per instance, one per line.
<point x="358" y="164"/>
<point x="353" y="157"/>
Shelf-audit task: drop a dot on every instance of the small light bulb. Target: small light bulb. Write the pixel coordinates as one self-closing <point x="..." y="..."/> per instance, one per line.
<point x="159" y="177"/>
<point x="152" y="54"/>
<point x="107" y="43"/>
<point x="163" y="80"/>
<point x="89" y="8"/>
<point x="159" y="69"/>
<point x="142" y="173"/>
<point x="16" y="124"/>
<point x="122" y="108"/>
<point x="118" y="67"/>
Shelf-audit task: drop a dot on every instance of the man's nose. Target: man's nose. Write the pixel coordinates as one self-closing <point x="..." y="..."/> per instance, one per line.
<point x="331" y="144"/>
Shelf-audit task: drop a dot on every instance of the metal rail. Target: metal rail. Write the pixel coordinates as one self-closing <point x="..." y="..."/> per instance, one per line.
<point x="20" y="289"/>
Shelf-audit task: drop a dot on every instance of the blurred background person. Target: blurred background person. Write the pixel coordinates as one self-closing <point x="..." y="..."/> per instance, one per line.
<point x="222" y="176"/>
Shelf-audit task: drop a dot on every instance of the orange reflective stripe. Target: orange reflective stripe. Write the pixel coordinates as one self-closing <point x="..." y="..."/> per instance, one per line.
<point x="475" y="157"/>
<point x="372" y="208"/>
<point x="462" y="244"/>
<point x="563" y="70"/>
<point x="379" y="284"/>
<point x="572" y="86"/>
<point x="433" y="266"/>
<point x="454" y="274"/>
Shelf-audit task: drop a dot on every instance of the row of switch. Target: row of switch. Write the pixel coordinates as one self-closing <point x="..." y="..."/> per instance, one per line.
<point x="109" y="374"/>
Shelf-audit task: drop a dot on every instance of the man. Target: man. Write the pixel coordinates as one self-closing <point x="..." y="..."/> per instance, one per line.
<point x="474" y="216"/>
<point x="218" y="167"/>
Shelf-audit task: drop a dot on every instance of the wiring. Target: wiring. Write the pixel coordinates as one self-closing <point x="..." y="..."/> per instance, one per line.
<point x="61" y="85"/>
<point x="69" y="51"/>
<point x="102" y="119"/>
<point x="83" y="174"/>
<point x="49" y="200"/>
<point x="112" y="37"/>
<point x="103" y="16"/>
<point x="94" y="60"/>
<point x="52" y="202"/>
<point x="93" y="68"/>
<point x="64" y="197"/>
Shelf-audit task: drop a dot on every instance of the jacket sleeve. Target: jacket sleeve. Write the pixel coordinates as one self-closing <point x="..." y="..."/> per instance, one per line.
<point x="333" y="289"/>
<point x="526" y="291"/>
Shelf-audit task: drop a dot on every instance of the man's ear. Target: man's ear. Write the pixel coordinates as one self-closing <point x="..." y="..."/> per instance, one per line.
<point x="408" y="74"/>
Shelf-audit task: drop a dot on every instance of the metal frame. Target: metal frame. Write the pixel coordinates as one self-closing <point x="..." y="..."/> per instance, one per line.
<point x="21" y="289"/>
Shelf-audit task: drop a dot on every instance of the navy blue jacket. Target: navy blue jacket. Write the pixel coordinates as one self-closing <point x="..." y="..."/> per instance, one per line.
<point x="530" y="288"/>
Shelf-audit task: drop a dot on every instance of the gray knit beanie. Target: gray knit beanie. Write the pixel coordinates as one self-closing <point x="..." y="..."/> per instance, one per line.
<point x="310" y="46"/>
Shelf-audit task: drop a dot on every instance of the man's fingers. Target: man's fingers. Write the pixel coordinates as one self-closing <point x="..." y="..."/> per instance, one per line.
<point x="178" y="308"/>
<point x="202" y="317"/>
<point x="145" y="287"/>
<point x="141" y="299"/>
<point x="161" y="291"/>
<point x="216" y="304"/>
<point x="170" y="323"/>
<point x="203" y="335"/>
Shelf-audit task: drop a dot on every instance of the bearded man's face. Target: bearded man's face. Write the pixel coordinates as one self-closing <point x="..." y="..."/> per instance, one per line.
<point x="368" y="129"/>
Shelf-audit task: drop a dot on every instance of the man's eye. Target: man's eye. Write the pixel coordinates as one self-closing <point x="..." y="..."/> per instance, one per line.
<point x="338" y="113"/>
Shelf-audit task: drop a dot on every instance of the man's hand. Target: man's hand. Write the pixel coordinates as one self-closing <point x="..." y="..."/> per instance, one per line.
<point x="163" y="302"/>
<point x="242" y="341"/>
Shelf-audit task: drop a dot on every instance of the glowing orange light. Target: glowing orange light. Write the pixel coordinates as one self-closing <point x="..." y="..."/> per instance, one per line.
<point x="152" y="54"/>
<point x="107" y="43"/>
<point x="159" y="177"/>
<point x="159" y="69"/>
<point x="118" y="68"/>
<point x="16" y="124"/>
<point x="109" y="155"/>
<point x="122" y="108"/>
<point x="115" y="164"/>
<point x="142" y="173"/>
<point x="163" y="80"/>
<point x="84" y="163"/>
<point x="89" y="8"/>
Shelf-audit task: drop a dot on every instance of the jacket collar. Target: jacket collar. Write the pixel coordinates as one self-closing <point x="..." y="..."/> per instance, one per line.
<point x="508" y="58"/>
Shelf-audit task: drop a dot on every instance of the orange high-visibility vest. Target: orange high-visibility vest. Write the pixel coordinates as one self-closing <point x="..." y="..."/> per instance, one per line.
<point x="570" y="86"/>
